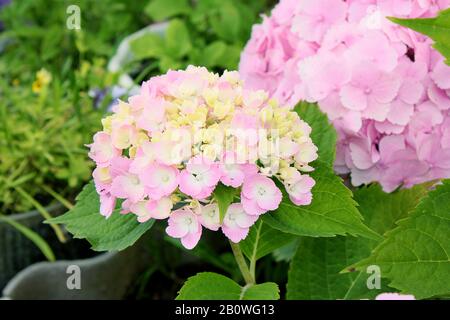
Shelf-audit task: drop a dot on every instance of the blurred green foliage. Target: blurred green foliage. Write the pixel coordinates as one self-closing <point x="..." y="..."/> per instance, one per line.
<point x="44" y="128"/>
<point x="37" y="36"/>
<point x="42" y="137"/>
<point x="209" y="33"/>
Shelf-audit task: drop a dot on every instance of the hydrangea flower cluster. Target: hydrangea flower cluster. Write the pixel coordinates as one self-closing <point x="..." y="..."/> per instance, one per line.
<point x="164" y="152"/>
<point x="386" y="90"/>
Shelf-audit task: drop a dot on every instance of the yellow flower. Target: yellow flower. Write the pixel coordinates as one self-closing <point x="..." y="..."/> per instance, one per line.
<point x="36" y="87"/>
<point x="44" y="77"/>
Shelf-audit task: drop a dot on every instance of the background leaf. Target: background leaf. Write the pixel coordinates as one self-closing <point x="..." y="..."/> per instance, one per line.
<point x="415" y="255"/>
<point x="213" y="54"/>
<point x="84" y="221"/>
<point x="149" y="45"/>
<point x="436" y="28"/>
<point x="178" y="42"/>
<point x="160" y="10"/>
<point x="315" y="269"/>
<point x="213" y="286"/>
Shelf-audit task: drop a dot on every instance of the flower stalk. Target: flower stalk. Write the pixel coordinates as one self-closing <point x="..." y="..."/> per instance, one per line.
<point x="248" y="276"/>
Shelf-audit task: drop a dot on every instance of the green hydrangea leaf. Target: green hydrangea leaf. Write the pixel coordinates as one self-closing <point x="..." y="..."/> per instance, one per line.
<point x="415" y="255"/>
<point x="315" y="271"/>
<point x="224" y="196"/>
<point x="213" y="286"/>
<point x="262" y="240"/>
<point x="84" y="221"/>
<point x="323" y="133"/>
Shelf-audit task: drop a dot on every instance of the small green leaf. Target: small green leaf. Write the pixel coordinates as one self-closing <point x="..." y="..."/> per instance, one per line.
<point x="149" y="45"/>
<point x="214" y="53"/>
<point x="323" y="133"/>
<point x="226" y="23"/>
<point x="332" y="211"/>
<point x="224" y="196"/>
<point x="415" y="255"/>
<point x="178" y="42"/>
<point x="160" y="10"/>
<point x="213" y="286"/>
<point x="436" y="28"/>
<point x="84" y="221"/>
<point x="262" y="240"/>
<point x="32" y="236"/>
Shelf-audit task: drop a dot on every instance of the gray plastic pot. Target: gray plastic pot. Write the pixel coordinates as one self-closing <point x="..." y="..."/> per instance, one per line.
<point x="18" y="252"/>
<point x="106" y="276"/>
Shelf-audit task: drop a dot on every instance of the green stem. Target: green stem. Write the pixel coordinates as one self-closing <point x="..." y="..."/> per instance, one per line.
<point x="240" y="260"/>
<point x="58" y="197"/>
<point x="58" y="231"/>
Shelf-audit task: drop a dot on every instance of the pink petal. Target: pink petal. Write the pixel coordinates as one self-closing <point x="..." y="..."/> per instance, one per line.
<point x="190" y="240"/>
<point x="353" y="97"/>
<point x="235" y="234"/>
<point x="251" y="206"/>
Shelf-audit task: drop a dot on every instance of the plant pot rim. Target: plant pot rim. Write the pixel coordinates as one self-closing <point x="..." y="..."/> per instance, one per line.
<point x="31" y="214"/>
<point x="24" y="275"/>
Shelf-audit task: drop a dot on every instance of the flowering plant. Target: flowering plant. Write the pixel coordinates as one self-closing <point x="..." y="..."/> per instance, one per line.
<point x="208" y="152"/>
<point x="188" y="135"/>
<point x="385" y="89"/>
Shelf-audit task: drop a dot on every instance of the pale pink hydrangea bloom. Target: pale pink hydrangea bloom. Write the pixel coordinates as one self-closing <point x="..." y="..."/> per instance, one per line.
<point x="384" y="87"/>
<point x="177" y="140"/>
<point x="394" y="296"/>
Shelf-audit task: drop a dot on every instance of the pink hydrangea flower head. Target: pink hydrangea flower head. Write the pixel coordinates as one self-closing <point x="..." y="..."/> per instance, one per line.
<point x="373" y="79"/>
<point x="184" y="134"/>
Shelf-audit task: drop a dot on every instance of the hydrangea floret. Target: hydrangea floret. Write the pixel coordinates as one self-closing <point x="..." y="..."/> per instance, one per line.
<point x="163" y="153"/>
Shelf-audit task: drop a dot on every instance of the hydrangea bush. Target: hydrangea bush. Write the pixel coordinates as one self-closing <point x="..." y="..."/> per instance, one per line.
<point x="386" y="90"/>
<point x="197" y="152"/>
